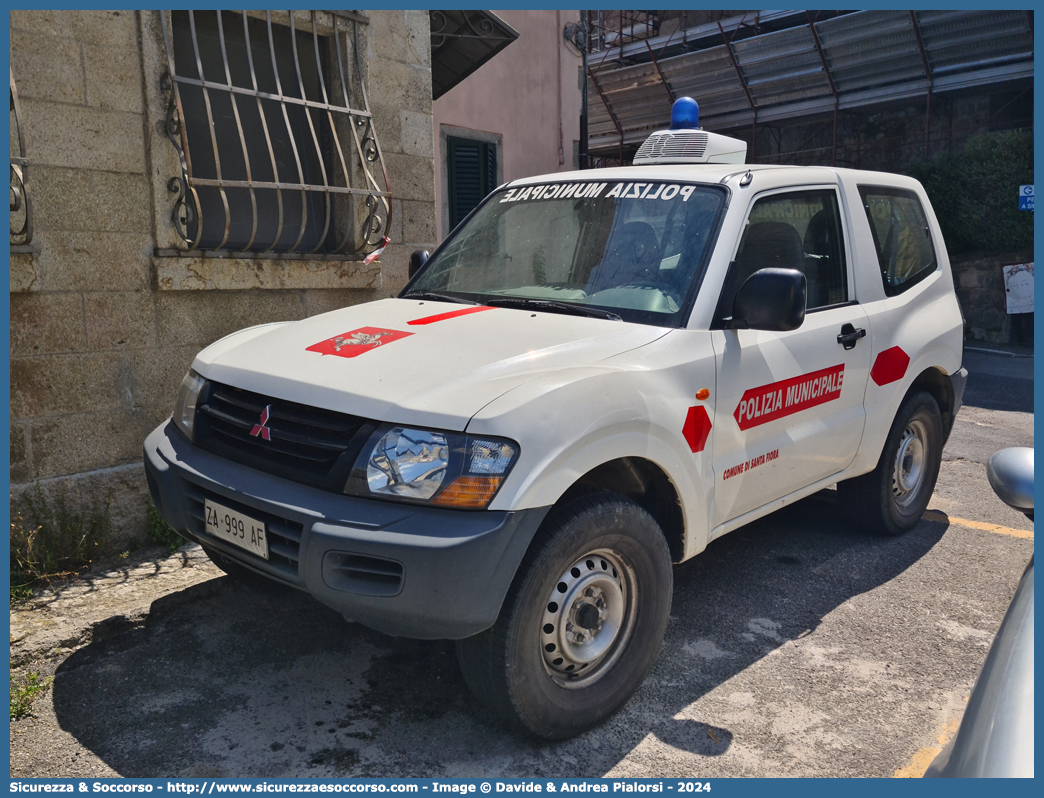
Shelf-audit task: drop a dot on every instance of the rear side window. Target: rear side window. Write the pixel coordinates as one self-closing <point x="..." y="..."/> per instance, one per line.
<point x="901" y="236"/>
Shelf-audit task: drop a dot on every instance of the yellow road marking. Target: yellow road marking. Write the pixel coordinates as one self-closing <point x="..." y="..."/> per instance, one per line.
<point x="935" y="515"/>
<point x="920" y="761"/>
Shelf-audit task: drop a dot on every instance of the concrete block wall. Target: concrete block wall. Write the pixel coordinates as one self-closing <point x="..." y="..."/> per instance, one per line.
<point x="98" y="348"/>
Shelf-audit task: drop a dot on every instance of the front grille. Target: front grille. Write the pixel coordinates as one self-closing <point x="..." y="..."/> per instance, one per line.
<point x="283" y="534"/>
<point x="305" y="444"/>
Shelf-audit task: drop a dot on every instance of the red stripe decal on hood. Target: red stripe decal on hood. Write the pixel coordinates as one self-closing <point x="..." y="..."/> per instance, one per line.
<point x="451" y="315"/>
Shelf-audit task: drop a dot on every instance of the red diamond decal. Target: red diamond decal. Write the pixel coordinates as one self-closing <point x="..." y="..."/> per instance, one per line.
<point x="890" y="366"/>
<point x="696" y="429"/>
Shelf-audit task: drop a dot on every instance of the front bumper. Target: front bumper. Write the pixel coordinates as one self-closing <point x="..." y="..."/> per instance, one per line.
<point x="404" y="570"/>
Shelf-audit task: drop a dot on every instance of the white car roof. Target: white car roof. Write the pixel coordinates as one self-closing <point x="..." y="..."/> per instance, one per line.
<point x="715" y="173"/>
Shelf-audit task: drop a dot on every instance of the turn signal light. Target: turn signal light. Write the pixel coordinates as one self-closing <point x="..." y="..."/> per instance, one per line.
<point x="468" y="493"/>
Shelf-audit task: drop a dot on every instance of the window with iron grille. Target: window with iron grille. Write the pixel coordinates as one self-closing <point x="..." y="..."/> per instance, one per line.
<point x="472" y="172"/>
<point x="273" y="131"/>
<point x="21" y="198"/>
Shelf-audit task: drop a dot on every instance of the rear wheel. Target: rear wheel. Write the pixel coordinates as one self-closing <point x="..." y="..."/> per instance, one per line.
<point x="891" y="499"/>
<point x="582" y="622"/>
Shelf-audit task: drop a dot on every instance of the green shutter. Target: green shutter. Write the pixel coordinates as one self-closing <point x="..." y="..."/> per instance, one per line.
<point x="472" y="168"/>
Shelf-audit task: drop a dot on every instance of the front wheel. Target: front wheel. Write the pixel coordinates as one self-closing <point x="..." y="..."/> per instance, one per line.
<point x="891" y="499"/>
<point x="582" y="622"/>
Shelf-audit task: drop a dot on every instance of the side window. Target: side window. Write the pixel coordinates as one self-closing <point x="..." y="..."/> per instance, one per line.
<point x="797" y="230"/>
<point x="901" y="236"/>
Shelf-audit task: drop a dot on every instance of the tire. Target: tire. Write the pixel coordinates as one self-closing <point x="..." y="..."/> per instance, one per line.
<point x="891" y="499"/>
<point x="557" y="668"/>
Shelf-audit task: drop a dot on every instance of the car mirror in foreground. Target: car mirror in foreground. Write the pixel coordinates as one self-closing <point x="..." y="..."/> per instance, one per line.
<point x="417" y="259"/>
<point x="770" y="299"/>
<point x="1010" y="472"/>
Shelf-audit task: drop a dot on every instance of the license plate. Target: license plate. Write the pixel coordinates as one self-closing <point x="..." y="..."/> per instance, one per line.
<point x="241" y="530"/>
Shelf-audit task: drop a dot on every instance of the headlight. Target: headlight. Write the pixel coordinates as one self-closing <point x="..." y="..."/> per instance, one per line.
<point x="408" y="462"/>
<point x="185" y="404"/>
<point x="446" y="469"/>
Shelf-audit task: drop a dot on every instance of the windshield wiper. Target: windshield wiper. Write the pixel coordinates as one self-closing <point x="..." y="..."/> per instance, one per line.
<point x="552" y="307"/>
<point x="437" y="296"/>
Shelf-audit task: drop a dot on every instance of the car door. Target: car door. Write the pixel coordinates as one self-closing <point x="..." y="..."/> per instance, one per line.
<point x="789" y="404"/>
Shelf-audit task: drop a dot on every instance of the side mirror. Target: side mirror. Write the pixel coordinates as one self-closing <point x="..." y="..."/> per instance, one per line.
<point x="770" y="299"/>
<point x="1010" y="472"/>
<point x="417" y="259"/>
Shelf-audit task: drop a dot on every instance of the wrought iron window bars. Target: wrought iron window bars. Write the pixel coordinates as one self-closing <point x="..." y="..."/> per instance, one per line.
<point x="21" y="198"/>
<point x="277" y="126"/>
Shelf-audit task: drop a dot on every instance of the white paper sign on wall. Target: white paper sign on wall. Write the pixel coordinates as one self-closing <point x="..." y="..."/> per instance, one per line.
<point x="1018" y="287"/>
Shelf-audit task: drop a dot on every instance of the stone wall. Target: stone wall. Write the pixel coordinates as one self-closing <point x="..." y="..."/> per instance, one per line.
<point x="103" y="330"/>
<point x="980" y="289"/>
<point x="889" y="136"/>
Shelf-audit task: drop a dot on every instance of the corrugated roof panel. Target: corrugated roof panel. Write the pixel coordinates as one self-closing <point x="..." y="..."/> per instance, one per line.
<point x="637" y="96"/>
<point x="628" y="77"/>
<point x="870" y="48"/>
<point x="773" y="46"/>
<point x="710" y="77"/>
<point x="871" y="56"/>
<point x="599" y="123"/>
<point x="645" y="111"/>
<point x="781" y="67"/>
<point x="791" y="89"/>
<point x="957" y="40"/>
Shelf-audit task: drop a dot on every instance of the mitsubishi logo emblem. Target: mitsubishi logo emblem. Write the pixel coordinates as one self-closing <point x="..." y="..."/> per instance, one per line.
<point x="261" y="429"/>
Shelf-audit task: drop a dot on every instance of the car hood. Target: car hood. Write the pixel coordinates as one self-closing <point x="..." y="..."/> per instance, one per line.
<point x="404" y="360"/>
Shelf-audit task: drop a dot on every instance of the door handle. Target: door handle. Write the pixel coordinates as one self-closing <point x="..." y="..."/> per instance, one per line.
<point x="849" y="335"/>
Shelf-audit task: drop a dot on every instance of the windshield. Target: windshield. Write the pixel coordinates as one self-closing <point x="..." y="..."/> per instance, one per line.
<point x="634" y="249"/>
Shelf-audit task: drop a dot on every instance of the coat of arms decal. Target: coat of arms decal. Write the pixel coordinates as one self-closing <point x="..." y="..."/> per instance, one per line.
<point x="355" y="342"/>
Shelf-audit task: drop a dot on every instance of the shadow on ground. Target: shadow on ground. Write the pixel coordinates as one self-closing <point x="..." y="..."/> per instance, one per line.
<point x="245" y="683"/>
<point x="999" y="383"/>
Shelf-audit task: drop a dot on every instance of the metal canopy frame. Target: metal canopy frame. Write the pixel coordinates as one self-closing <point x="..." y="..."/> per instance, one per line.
<point x="927" y="74"/>
<point x="814" y="67"/>
<point x="830" y="80"/>
<point x="609" y="109"/>
<point x="461" y="43"/>
<point x="746" y="88"/>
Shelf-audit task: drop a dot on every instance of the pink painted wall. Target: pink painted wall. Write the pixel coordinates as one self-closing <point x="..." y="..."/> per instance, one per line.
<point x="515" y="95"/>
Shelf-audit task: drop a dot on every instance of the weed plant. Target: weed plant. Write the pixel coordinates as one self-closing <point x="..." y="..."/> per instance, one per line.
<point x="24" y="691"/>
<point x="51" y="539"/>
<point x="159" y="532"/>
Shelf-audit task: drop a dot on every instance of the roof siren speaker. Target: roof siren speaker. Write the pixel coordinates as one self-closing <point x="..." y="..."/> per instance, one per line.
<point x="686" y="143"/>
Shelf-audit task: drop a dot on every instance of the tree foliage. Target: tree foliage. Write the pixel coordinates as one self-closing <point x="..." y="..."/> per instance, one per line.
<point x="975" y="192"/>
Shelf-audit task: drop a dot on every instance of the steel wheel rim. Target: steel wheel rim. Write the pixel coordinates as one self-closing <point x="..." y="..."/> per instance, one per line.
<point x="911" y="461"/>
<point x="588" y="618"/>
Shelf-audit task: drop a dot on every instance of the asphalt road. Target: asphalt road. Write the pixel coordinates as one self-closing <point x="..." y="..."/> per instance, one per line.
<point x="796" y="647"/>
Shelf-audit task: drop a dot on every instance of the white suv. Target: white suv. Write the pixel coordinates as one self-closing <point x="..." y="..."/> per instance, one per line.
<point x="594" y="376"/>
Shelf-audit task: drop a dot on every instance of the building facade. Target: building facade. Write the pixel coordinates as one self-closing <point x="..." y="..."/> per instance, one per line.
<point x="180" y="176"/>
<point x="518" y="115"/>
